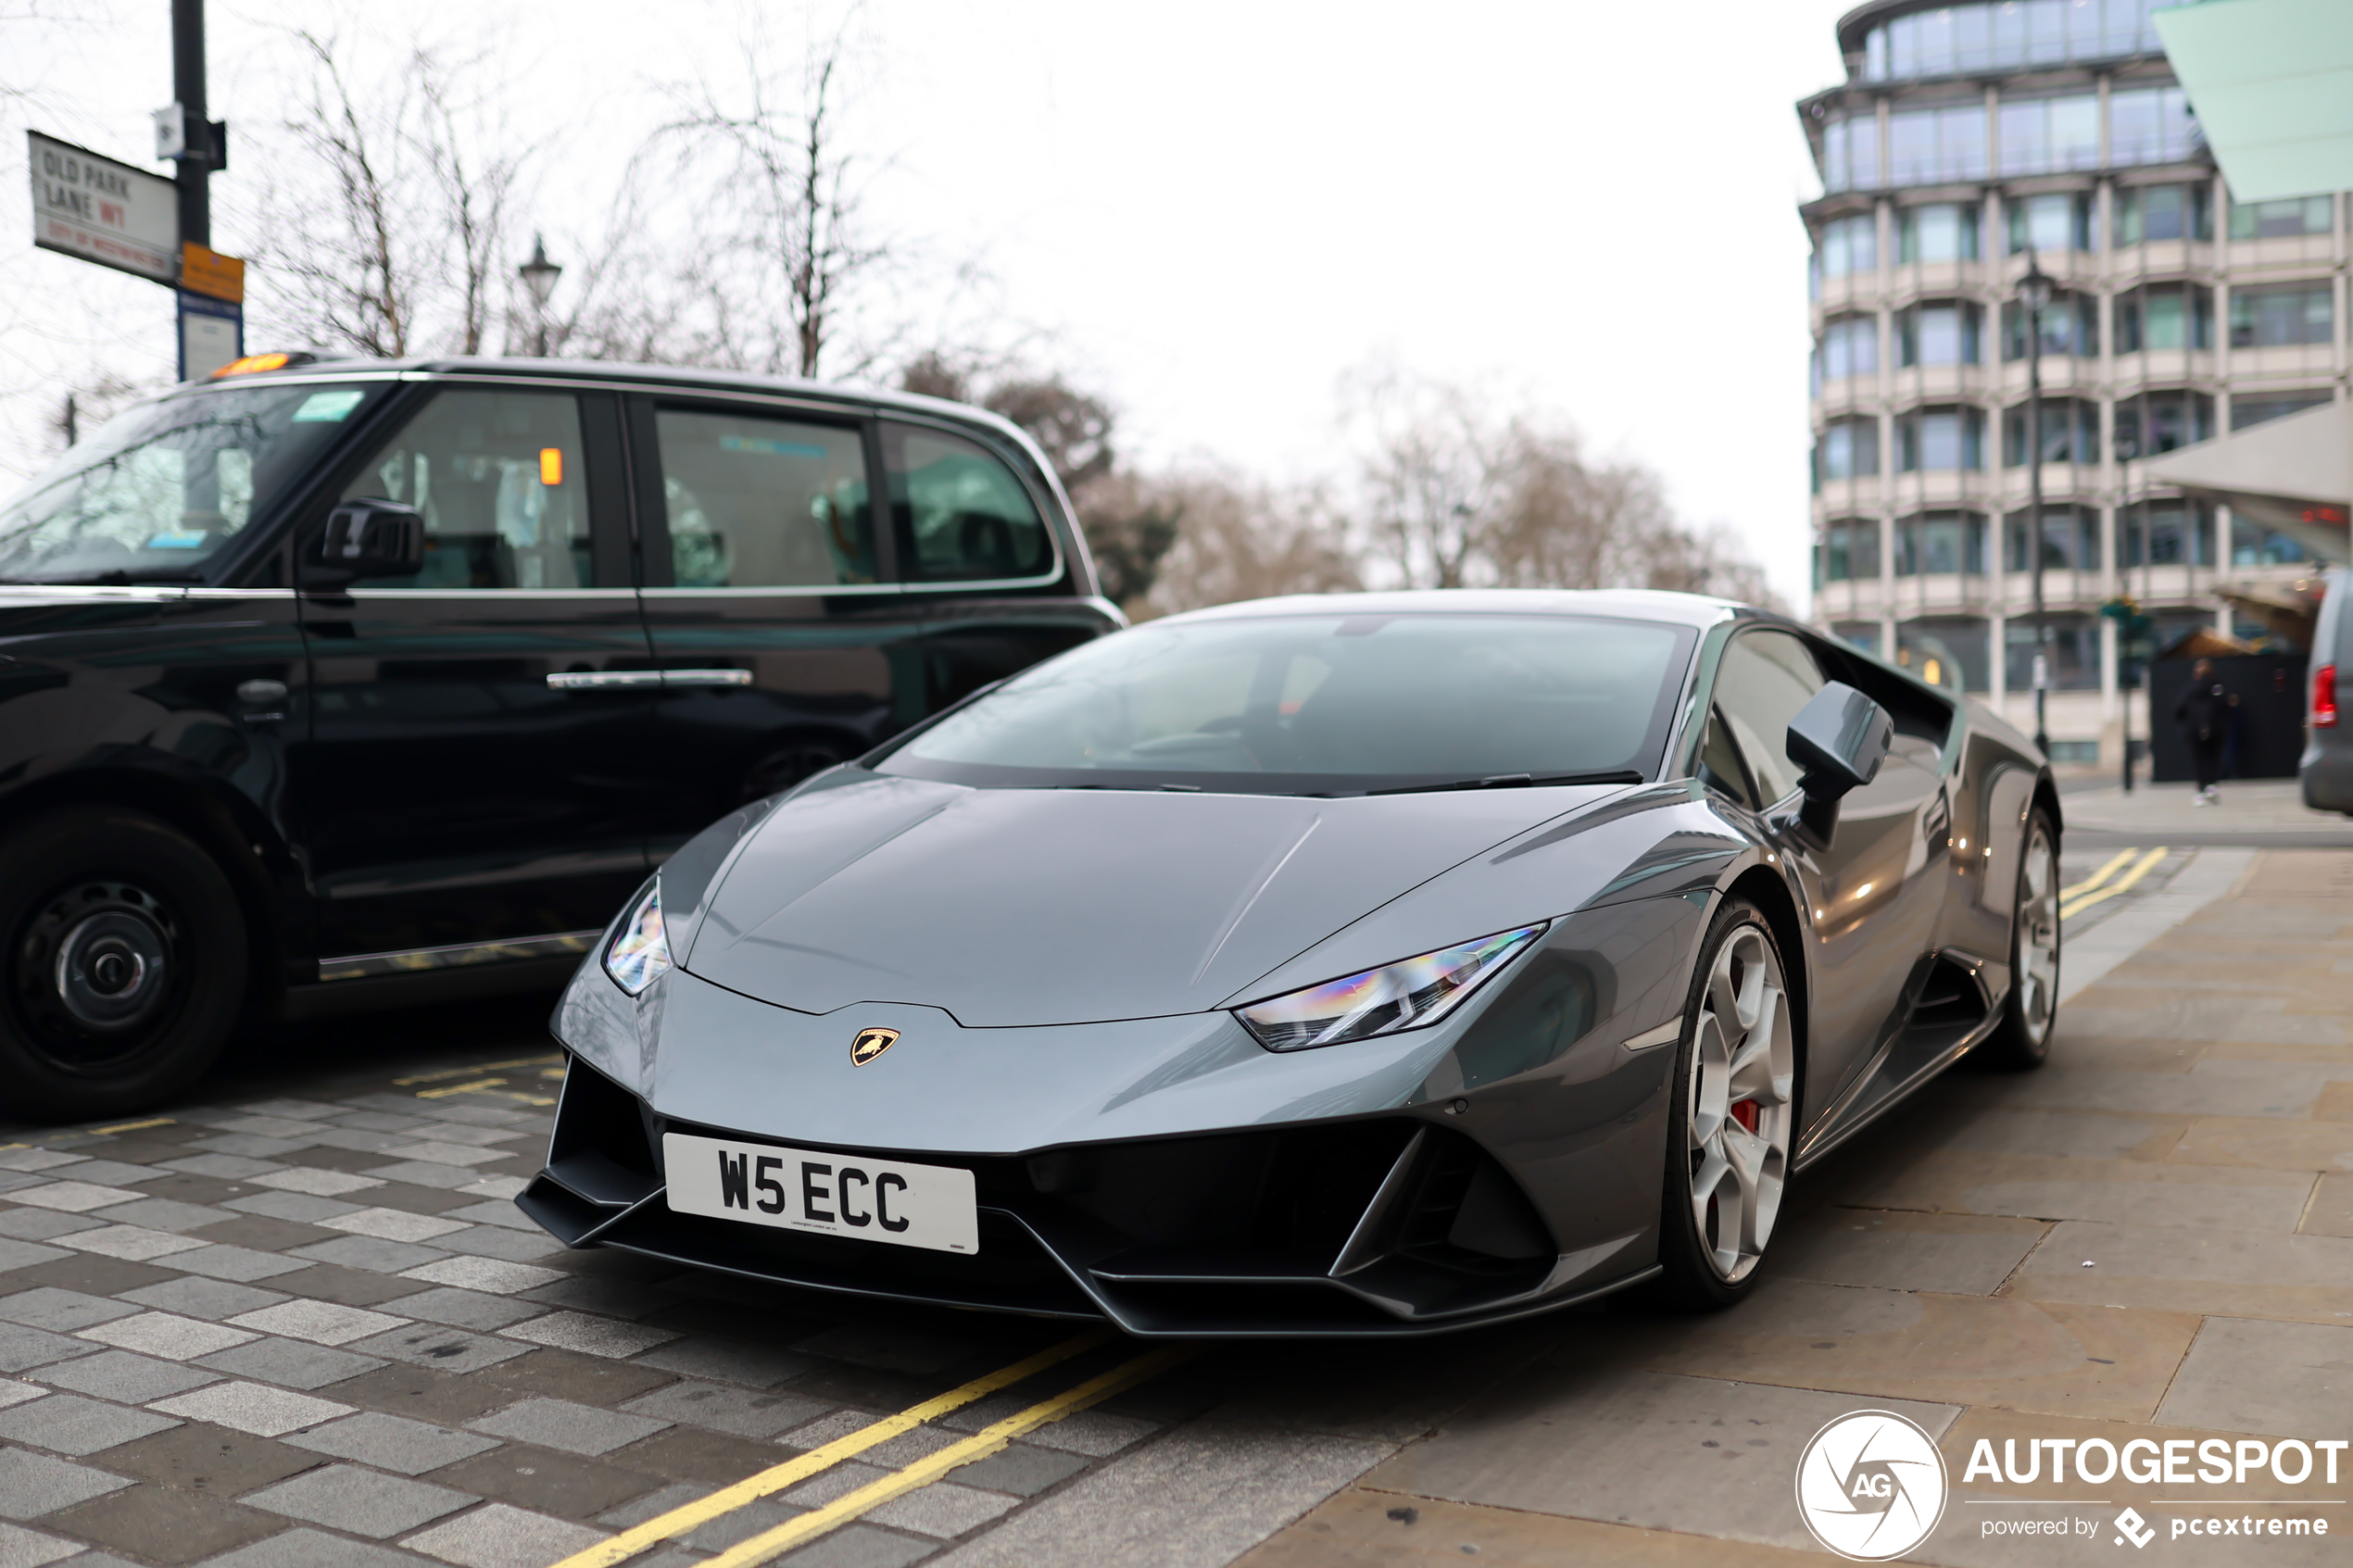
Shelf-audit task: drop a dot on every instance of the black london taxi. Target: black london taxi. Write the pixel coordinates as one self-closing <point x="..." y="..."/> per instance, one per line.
<point x="327" y="684"/>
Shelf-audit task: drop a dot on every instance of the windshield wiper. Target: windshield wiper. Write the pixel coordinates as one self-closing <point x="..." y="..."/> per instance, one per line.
<point x="1517" y="781"/>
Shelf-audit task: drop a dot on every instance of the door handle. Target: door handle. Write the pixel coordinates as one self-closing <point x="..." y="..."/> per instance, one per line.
<point x="639" y="680"/>
<point x="262" y="693"/>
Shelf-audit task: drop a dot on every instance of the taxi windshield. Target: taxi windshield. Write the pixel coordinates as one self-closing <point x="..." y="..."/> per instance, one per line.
<point x="159" y="489"/>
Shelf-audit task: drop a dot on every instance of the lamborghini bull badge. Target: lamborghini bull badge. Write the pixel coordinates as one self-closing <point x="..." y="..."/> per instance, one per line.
<point x="870" y="1043"/>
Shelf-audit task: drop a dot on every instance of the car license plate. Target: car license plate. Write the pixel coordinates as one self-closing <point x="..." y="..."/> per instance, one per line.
<point x="796" y="1189"/>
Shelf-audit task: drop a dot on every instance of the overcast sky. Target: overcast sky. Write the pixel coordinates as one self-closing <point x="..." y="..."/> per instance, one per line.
<point x="1211" y="212"/>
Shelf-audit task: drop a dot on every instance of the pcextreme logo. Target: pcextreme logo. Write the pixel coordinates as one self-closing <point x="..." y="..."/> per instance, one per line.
<point x="1871" y="1485"/>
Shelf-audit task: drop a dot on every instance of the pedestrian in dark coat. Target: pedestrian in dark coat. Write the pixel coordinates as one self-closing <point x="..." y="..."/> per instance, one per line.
<point x="2204" y="714"/>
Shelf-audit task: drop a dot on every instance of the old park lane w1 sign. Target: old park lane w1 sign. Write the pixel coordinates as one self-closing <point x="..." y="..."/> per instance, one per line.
<point x="103" y="211"/>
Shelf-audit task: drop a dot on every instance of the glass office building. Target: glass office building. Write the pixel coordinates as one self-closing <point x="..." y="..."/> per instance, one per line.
<point x="1966" y="140"/>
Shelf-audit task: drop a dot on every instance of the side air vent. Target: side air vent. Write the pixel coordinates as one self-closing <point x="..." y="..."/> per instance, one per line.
<point x="600" y="1162"/>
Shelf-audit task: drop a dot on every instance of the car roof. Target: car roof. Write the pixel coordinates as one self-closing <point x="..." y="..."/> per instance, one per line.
<point x="1698" y="610"/>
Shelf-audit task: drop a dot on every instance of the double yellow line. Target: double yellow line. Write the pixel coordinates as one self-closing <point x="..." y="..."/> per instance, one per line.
<point x="2096" y="887"/>
<point x="805" y="1527"/>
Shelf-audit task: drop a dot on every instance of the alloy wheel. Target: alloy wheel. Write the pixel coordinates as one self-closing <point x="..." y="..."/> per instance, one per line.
<point x="2037" y="925"/>
<point x="1739" y="1114"/>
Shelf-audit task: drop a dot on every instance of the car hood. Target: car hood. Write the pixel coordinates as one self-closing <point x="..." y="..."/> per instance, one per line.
<point x="1027" y="906"/>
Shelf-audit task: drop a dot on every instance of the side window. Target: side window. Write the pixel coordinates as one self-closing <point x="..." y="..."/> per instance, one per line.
<point x="765" y="503"/>
<point x="1767" y="677"/>
<point x="1721" y="767"/>
<point x="962" y="514"/>
<point x="496" y="476"/>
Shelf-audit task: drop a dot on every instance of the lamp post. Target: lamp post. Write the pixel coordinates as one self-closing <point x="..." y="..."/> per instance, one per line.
<point x="539" y="276"/>
<point x="2034" y="293"/>
<point x="2127" y="448"/>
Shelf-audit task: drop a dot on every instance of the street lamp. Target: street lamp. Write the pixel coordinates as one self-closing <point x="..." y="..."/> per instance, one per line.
<point x="2034" y="293"/>
<point x="539" y="276"/>
<point x="2128" y="447"/>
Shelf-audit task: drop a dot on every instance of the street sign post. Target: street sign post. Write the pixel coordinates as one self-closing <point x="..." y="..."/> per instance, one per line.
<point x="103" y="211"/>
<point x="212" y="333"/>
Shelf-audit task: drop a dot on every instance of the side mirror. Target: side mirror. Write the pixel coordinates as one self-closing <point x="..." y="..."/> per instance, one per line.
<point x="1839" y="738"/>
<point x="370" y="538"/>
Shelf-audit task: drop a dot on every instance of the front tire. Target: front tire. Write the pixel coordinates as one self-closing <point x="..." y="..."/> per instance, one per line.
<point x="2030" y="1012"/>
<point x="122" y="963"/>
<point x="1733" y="1119"/>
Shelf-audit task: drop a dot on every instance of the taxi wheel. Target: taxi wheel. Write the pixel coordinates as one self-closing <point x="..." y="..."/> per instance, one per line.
<point x="123" y="969"/>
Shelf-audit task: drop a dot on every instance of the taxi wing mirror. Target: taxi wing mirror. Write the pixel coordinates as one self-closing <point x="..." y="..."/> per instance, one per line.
<point x="368" y="538"/>
<point x="1839" y="739"/>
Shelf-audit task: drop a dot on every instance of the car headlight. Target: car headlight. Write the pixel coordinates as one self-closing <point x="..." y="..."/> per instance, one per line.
<point x="1405" y="995"/>
<point x="639" y="952"/>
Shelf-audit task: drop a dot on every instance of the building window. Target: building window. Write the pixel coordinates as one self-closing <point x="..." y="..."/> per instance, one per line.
<point x="2251" y="545"/>
<point x="2165" y="316"/>
<point x="2248" y="412"/>
<point x="2160" y="421"/>
<point x="1863" y="634"/>
<point x="2165" y="212"/>
<point x="2071" y="326"/>
<point x="1938" y="232"/>
<point x="2152" y="125"/>
<point x="2272" y="220"/>
<point x="1850" y="551"/>
<point x="2075" y="653"/>
<point x="1849" y="450"/>
<point x="2173" y="531"/>
<point x="1940" y="545"/>
<point x="1933" y="146"/>
<point x="1950" y="653"/>
<point x="1849" y="153"/>
<point x="2277" y="315"/>
<point x="1850" y="348"/>
<point x="1938" y="439"/>
<point x="2070" y="432"/>
<point x="2050" y="135"/>
<point x="1849" y="244"/>
<point x="2071" y="538"/>
<point x="1952" y="40"/>
<point x="2050" y="223"/>
<point x="1937" y="334"/>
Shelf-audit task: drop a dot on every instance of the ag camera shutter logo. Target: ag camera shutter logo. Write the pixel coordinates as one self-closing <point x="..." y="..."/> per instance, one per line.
<point x="1871" y="1486"/>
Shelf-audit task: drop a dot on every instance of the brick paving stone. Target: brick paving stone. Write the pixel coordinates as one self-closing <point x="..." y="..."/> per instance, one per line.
<point x="612" y="1297"/>
<point x="393" y="1442"/>
<point x="494" y="1275"/>
<point x="345" y="1497"/>
<point x="300" y="1109"/>
<point x="859" y="1546"/>
<point x="68" y="1424"/>
<point x="501" y="1535"/>
<point x="426" y="1174"/>
<point x="256" y="1407"/>
<point x="474" y="1136"/>
<point x="23" y="1349"/>
<point x="249" y="1144"/>
<point x="38" y="1159"/>
<point x="367" y="1252"/>
<point x="568" y="1486"/>
<point x="312" y="1548"/>
<point x="561" y="1424"/>
<point x="224" y="1261"/>
<point x="353" y="1287"/>
<point x="165" y="1214"/>
<point x="110" y="1172"/>
<point x="39" y="1224"/>
<point x="495" y="1211"/>
<point x="162" y="1523"/>
<point x="497" y="1241"/>
<point x="357" y="1138"/>
<point x="197" y="1296"/>
<point x="567" y="1374"/>
<point x="452" y="1350"/>
<point x="698" y="1454"/>
<point x="229" y="1166"/>
<point x="10" y="1180"/>
<point x="264" y="1233"/>
<point x="393" y="1225"/>
<point x="943" y="1509"/>
<point x="289" y="1363"/>
<point x="322" y="1323"/>
<point x="755" y="1367"/>
<point x="16" y="1254"/>
<point x="298" y="1207"/>
<point x="73" y="1197"/>
<point x="315" y="1182"/>
<point x="466" y="1308"/>
<point x="98" y="1276"/>
<point x="496" y="1187"/>
<point x="48" y="1307"/>
<point x="268" y="1126"/>
<point x="739" y="1525"/>
<point x="1097" y="1433"/>
<point x="379" y="1121"/>
<point x="167" y="1334"/>
<point x="124" y="1377"/>
<point x="133" y="1244"/>
<point x="182" y="1186"/>
<point x="30" y="1548"/>
<point x="887" y="1348"/>
<point x="424" y="1394"/>
<point x="15" y="1393"/>
<point x="651" y="1506"/>
<point x="589" y="1334"/>
<point x="723" y="1409"/>
<point x="210" y="1459"/>
<point x="1022" y="1469"/>
<point x="32" y="1485"/>
<point x="410" y="1199"/>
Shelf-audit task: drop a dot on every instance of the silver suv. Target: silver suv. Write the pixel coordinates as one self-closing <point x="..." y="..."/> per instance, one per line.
<point x="2327" y="766"/>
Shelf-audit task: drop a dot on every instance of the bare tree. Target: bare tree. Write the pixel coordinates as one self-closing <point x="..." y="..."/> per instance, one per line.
<point x="1237" y="540"/>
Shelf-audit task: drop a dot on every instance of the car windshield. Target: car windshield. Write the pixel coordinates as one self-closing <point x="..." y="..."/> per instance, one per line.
<point x="1330" y="704"/>
<point x="156" y="492"/>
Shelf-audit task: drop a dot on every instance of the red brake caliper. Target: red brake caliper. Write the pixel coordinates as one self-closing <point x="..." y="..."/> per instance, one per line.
<point x="1744" y="1113"/>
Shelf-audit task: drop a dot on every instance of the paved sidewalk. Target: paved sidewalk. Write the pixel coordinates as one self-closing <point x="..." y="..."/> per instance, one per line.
<point x="2253" y="812"/>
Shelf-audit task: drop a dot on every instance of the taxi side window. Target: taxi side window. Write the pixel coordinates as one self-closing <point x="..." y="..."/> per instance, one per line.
<point x="961" y="515"/>
<point x="496" y="476"/>
<point x="754" y="502"/>
<point x="1767" y="676"/>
